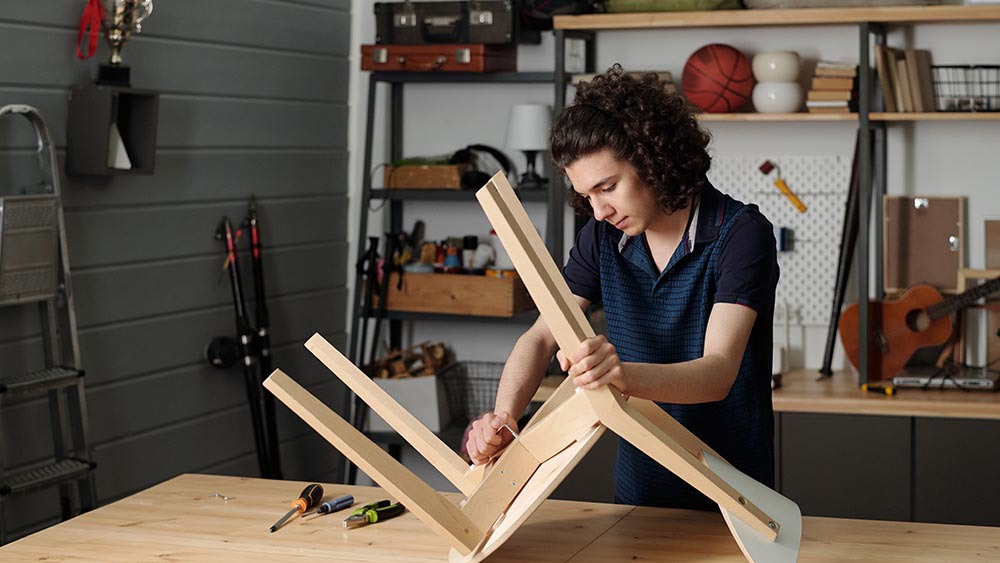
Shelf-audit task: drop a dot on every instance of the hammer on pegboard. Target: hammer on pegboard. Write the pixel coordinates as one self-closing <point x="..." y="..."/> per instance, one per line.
<point x="779" y="183"/>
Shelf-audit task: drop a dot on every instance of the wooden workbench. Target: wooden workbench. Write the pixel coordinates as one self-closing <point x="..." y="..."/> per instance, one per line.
<point x="802" y="391"/>
<point x="180" y="520"/>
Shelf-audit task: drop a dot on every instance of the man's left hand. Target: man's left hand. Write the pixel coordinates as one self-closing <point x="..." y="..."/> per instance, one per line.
<point x="595" y="364"/>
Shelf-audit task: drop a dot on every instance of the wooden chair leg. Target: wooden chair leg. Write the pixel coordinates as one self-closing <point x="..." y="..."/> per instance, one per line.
<point x="446" y="461"/>
<point x="433" y="509"/>
<point x="668" y="424"/>
<point x="668" y="451"/>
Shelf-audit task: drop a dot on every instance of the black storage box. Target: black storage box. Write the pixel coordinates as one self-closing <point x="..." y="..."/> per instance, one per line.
<point x="486" y="22"/>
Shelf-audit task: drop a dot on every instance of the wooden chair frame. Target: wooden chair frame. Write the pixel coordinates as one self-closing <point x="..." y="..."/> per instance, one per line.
<point x="500" y="496"/>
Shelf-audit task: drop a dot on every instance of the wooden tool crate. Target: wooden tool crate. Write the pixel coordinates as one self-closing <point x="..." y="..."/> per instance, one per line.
<point x="457" y="294"/>
<point x="425" y="176"/>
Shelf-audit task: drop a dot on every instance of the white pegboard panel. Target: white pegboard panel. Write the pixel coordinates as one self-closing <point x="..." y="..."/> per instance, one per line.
<point x="821" y="182"/>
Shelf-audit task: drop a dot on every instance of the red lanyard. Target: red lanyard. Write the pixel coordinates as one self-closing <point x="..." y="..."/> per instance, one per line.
<point x="93" y="15"/>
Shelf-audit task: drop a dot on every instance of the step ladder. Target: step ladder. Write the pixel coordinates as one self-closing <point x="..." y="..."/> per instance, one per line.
<point x="34" y="270"/>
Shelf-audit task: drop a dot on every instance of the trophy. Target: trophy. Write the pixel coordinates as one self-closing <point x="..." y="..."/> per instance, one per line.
<point x="122" y="18"/>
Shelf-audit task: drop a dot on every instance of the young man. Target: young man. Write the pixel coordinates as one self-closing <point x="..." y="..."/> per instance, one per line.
<point x="686" y="275"/>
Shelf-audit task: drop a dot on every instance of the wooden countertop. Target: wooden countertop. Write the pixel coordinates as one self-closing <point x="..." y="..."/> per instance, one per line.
<point x="802" y="392"/>
<point x="180" y="520"/>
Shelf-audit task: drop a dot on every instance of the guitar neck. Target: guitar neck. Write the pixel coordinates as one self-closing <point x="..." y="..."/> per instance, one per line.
<point x="963" y="300"/>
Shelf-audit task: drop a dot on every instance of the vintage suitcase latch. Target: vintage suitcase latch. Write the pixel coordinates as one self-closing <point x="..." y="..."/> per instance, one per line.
<point x="480" y="17"/>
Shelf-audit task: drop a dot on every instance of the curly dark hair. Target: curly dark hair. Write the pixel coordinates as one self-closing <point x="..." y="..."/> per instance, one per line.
<point x="654" y="131"/>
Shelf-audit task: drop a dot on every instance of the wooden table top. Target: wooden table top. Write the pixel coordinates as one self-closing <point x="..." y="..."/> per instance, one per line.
<point x="180" y="520"/>
<point x="802" y="391"/>
<point x="839" y="394"/>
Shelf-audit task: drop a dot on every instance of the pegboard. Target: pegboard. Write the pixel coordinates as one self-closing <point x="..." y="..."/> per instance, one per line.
<point x="808" y="271"/>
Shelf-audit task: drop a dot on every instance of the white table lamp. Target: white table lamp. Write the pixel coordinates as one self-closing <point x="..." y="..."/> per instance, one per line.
<point x="528" y="131"/>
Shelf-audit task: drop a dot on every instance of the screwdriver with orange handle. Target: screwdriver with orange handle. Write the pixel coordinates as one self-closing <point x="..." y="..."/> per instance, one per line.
<point x="308" y="498"/>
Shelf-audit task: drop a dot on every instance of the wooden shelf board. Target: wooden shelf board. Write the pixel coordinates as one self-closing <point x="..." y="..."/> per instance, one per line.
<point x="802" y="16"/>
<point x="937" y="116"/>
<point x="800" y="116"/>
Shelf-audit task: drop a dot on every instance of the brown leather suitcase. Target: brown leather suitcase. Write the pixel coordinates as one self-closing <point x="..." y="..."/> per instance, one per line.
<point x="439" y="58"/>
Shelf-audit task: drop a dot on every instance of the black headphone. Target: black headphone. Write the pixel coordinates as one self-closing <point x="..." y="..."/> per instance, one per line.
<point x="474" y="179"/>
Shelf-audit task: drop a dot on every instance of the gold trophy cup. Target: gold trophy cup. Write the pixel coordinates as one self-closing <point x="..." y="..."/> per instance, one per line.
<point x="122" y="18"/>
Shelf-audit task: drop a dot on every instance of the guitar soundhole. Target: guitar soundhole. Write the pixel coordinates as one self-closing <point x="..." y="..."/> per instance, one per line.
<point x="918" y="320"/>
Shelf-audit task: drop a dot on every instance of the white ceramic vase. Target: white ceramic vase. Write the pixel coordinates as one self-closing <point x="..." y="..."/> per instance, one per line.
<point x="776" y="66"/>
<point x="777" y="97"/>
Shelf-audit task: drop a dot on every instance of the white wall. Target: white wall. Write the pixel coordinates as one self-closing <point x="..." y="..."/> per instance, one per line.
<point x="927" y="158"/>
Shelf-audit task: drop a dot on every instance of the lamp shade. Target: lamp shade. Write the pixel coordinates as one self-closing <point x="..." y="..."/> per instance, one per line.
<point x="528" y="127"/>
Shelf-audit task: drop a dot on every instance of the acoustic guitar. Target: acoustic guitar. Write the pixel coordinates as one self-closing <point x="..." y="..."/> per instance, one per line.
<point x="898" y="327"/>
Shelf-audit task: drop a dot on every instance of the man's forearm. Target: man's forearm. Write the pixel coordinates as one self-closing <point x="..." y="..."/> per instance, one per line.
<point x="704" y="380"/>
<point x="523" y="372"/>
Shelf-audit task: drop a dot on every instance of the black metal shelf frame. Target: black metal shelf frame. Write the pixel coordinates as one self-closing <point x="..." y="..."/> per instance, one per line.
<point x="553" y="196"/>
<point x="395" y="81"/>
<point x="871" y="166"/>
<point x="449" y="195"/>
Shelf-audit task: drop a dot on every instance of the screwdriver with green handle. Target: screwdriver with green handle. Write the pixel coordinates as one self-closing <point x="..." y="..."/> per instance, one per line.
<point x="374" y="512"/>
<point x="308" y="498"/>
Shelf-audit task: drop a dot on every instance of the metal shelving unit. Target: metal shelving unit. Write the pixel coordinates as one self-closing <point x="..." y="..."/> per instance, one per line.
<point x="871" y="24"/>
<point x="396" y="82"/>
<point x="552" y="197"/>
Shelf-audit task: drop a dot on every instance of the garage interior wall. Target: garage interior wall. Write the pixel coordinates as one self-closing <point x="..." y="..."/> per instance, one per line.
<point x="253" y="100"/>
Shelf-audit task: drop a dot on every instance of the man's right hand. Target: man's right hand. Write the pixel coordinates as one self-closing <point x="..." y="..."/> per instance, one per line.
<point x="488" y="436"/>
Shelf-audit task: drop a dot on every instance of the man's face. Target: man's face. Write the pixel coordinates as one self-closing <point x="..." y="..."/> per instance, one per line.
<point x="615" y="192"/>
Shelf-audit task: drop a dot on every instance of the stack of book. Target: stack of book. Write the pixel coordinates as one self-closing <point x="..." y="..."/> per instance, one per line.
<point x="832" y="89"/>
<point x="905" y="78"/>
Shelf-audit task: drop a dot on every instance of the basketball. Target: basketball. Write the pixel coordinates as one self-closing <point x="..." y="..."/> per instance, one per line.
<point x="717" y="78"/>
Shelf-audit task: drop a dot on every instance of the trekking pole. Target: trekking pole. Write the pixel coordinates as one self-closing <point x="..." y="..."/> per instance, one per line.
<point x="225" y="232"/>
<point x="263" y="342"/>
<point x="368" y="266"/>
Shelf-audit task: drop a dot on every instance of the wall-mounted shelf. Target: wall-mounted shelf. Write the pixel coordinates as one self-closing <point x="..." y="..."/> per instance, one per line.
<point x="92" y="112"/>
<point x="801" y="16"/>
<point x="463" y="77"/>
<point x="524" y="317"/>
<point x="871" y="23"/>
<point x="936" y="116"/>
<point x="801" y="116"/>
<point x="449" y="195"/>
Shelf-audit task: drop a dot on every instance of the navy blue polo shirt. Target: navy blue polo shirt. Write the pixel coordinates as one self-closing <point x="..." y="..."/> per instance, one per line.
<point x="661" y="318"/>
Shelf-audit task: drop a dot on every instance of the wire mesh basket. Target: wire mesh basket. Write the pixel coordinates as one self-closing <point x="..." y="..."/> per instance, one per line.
<point x="471" y="387"/>
<point x="967" y="87"/>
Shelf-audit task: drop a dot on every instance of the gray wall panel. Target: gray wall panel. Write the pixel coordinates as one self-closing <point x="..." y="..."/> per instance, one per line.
<point x="122" y="350"/>
<point x="129" y="292"/>
<point x="218" y="122"/>
<point x="149" y="458"/>
<point x="184" y="176"/>
<point x="190" y="176"/>
<point x="238" y="22"/>
<point x="253" y="102"/>
<point x="41" y="56"/>
<point x="129" y="235"/>
<point x="123" y="408"/>
<point x="172" y="66"/>
<point x="18" y="322"/>
<point x="308" y="23"/>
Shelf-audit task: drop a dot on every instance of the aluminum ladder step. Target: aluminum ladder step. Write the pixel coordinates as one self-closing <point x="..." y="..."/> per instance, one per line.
<point x="41" y="380"/>
<point x="45" y="475"/>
